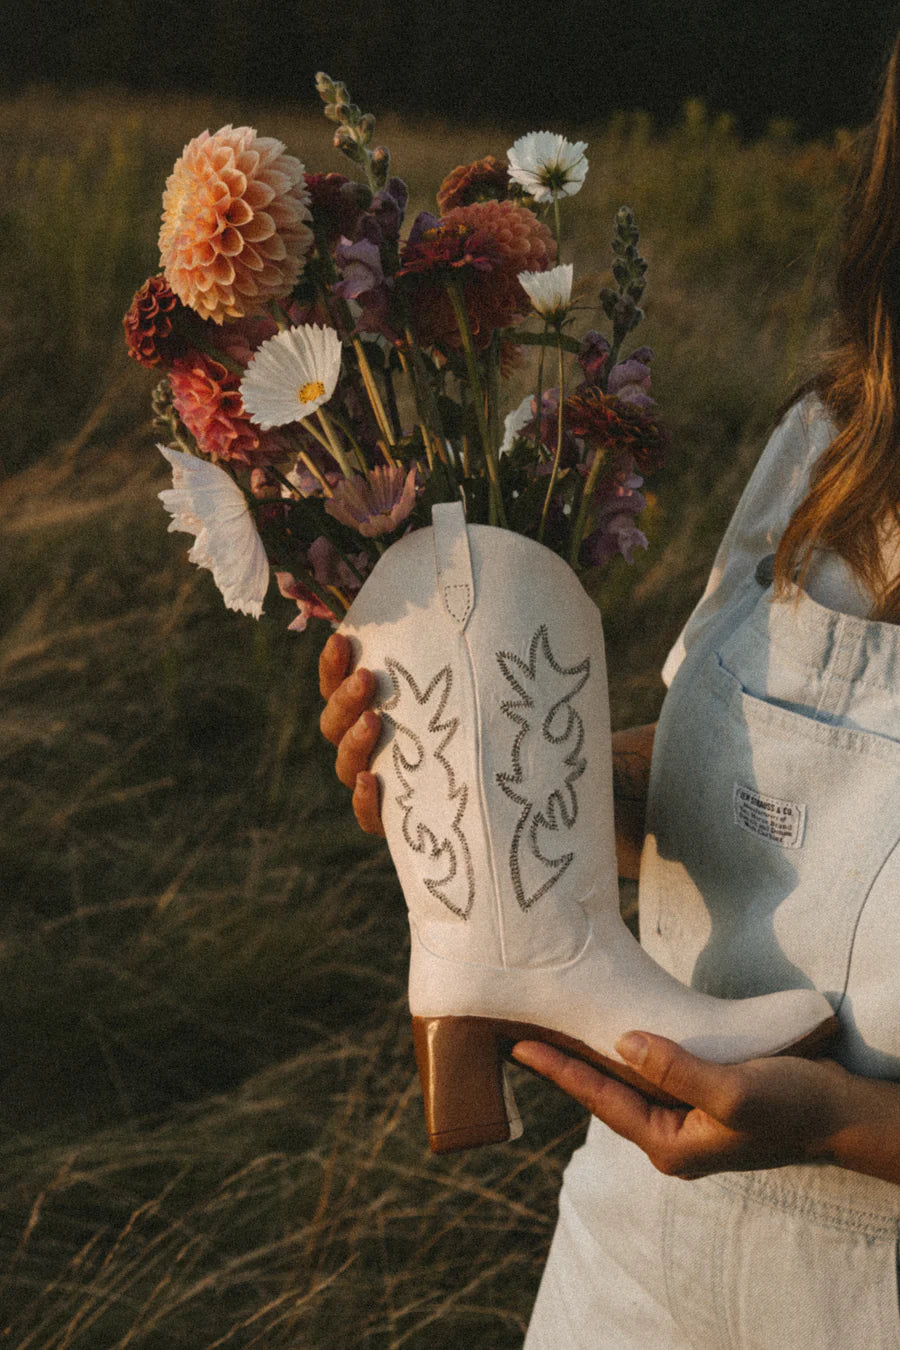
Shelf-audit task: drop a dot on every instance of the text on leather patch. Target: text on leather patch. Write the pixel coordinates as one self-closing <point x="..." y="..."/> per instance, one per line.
<point x="771" y="818"/>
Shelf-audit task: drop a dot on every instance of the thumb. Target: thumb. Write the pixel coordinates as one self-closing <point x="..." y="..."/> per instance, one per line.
<point x="685" y="1077"/>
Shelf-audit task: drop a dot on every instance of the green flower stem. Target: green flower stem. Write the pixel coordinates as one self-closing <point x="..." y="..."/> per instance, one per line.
<point x="343" y="323"/>
<point x="393" y="410"/>
<point x="344" y="426"/>
<point x="539" y="426"/>
<point x="466" y="447"/>
<point x="327" y="594"/>
<point x="286" y="482"/>
<point x="316" y="473"/>
<point x="426" y="405"/>
<point x="427" y="439"/>
<point x="559" y="444"/>
<point x="584" y="506"/>
<point x="334" y="445"/>
<point x="374" y="395"/>
<point x="169" y="424"/>
<point x="521" y="337"/>
<point x="343" y="600"/>
<point x="493" y="383"/>
<point x="497" y="511"/>
<point x="313" y="468"/>
<point x="557" y="220"/>
<point x="613" y="358"/>
<point x="309" y="426"/>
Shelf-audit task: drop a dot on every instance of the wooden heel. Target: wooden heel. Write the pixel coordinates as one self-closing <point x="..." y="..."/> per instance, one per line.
<point x="467" y="1100"/>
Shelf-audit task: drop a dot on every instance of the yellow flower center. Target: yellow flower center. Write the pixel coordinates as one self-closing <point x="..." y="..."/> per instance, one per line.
<point x="309" y="392"/>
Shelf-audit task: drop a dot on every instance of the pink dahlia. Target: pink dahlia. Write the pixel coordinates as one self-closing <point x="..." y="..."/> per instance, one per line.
<point x="207" y="398"/>
<point x="376" y="504"/>
<point x="235" y="223"/>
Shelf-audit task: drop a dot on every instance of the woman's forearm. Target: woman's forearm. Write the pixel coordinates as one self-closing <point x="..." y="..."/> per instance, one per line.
<point x="631" y="752"/>
<point x="868" y="1139"/>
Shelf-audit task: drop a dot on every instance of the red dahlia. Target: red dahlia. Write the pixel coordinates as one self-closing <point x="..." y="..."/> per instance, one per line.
<point x="207" y="398"/>
<point x="148" y="323"/>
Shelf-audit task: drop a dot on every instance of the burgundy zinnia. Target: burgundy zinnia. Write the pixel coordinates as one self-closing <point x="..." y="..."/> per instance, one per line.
<point x="484" y="180"/>
<point x="486" y="245"/>
<point x="612" y="423"/>
<point x="148" y="323"/>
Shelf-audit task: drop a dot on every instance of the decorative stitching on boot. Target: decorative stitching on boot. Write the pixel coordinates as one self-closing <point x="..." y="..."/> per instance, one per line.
<point x="559" y="811"/>
<point x="458" y="607"/>
<point x="420" y="837"/>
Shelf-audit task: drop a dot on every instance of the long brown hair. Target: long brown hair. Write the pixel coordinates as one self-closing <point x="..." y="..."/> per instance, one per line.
<point x="855" y="489"/>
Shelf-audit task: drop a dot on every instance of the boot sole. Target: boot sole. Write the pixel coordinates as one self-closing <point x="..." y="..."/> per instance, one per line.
<point x="461" y="1069"/>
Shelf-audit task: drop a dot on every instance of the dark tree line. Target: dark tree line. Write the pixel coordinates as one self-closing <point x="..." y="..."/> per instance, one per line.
<point x="562" y="62"/>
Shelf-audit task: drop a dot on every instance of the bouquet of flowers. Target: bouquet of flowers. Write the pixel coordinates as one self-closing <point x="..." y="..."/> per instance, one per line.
<point x="334" y="408"/>
<point x="333" y="404"/>
<point x="329" y="378"/>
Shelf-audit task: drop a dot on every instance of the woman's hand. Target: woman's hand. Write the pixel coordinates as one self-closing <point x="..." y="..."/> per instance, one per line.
<point x="349" y="723"/>
<point x="763" y="1113"/>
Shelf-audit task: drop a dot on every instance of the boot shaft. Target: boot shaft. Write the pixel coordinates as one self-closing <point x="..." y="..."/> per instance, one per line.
<point x="495" y="761"/>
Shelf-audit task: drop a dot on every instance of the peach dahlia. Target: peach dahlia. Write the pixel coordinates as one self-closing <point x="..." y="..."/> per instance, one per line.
<point x="235" y="223"/>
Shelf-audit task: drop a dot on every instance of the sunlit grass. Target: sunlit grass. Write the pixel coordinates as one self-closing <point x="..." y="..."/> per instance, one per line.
<point x="210" y="1131"/>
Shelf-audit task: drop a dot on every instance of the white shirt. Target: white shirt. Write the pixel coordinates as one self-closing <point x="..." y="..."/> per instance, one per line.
<point x="776" y="487"/>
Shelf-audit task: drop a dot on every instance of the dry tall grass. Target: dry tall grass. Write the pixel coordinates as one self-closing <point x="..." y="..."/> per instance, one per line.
<point x="211" y="1132"/>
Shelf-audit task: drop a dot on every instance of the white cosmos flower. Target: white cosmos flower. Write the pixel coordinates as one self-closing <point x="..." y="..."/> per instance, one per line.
<point x="514" y="422"/>
<point x="291" y="375"/>
<point x="549" y="292"/>
<point x="547" y="165"/>
<point x="206" y="501"/>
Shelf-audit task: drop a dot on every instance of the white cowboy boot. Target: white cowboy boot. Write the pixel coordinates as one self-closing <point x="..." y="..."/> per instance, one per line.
<point x="496" y="778"/>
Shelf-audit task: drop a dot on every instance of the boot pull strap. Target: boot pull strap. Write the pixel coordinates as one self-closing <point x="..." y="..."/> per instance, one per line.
<point x="453" y="562"/>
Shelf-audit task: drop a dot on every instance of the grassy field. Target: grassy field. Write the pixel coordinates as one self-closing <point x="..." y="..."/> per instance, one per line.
<point x="210" y="1131"/>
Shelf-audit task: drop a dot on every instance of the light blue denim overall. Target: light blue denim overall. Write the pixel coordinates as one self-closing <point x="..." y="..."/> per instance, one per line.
<point x="772" y="861"/>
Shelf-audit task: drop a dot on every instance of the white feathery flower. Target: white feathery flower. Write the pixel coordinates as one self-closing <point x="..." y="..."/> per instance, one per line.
<point x="206" y="501"/>
<point x="514" y="422"/>
<point x="291" y="375"/>
<point x="549" y="292"/>
<point x="547" y="165"/>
